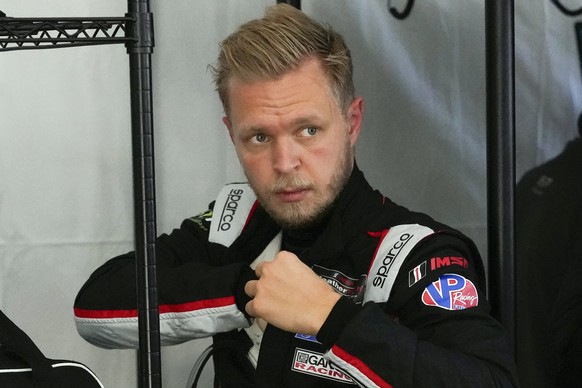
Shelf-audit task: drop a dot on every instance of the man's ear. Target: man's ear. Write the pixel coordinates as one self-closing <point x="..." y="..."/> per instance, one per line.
<point x="228" y="125"/>
<point x="355" y="117"/>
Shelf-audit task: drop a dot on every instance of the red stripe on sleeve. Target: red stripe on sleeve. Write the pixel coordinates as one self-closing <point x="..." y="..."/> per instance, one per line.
<point x="359" y="365"/>
<point x="198" y="305"/>
<point x="105" y="314"/>
<point x="166" y="308"/>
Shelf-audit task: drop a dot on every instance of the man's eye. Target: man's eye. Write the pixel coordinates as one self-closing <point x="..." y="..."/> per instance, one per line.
<point x="259" y="138"/>
<point x="309" y="131"/>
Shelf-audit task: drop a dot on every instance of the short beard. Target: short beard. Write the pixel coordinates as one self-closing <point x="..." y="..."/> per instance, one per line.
<point x="296" y="216"/>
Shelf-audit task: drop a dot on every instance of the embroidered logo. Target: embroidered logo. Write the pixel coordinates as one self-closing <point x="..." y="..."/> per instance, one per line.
<point x="313" y="363"/>
<point x="229" y="209"/>
<point x="439" y="262"/>
<point x="307" y="337"/>
<point x="451" y="292"/>
<point x="419" y="272"/>
<point x="416" y="274"/>
<point x="395" y="245"/>
<point x="232" y="208"/>
<point x="347" y="286"/>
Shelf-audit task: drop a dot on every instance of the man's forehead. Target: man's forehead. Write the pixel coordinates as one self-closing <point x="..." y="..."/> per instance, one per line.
<point x="294" y="101"/>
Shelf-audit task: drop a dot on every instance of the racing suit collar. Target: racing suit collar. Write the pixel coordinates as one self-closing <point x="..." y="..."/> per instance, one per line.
<point x="352" y="203"/>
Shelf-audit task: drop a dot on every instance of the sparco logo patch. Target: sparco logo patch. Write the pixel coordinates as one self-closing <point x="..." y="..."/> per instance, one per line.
<point x="451" y="292"/>
<point x="229" y="210"/>
<point x="395" y="245"/>
<point x="389" y="258"/>
<point x="232" y="208"/>
<point x="313" y="363"/>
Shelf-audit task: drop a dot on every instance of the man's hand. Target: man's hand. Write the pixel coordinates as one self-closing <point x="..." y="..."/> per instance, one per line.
<point x="289" y="295"/>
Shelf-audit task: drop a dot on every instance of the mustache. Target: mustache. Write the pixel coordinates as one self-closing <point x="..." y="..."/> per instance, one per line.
<point x="291" y="183"/>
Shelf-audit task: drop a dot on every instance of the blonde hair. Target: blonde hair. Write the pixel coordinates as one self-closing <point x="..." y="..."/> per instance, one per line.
<point x="280" y="42"/>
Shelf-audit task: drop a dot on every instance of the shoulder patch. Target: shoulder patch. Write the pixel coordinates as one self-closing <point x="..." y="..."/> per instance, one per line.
<point x="451" y="292"/>
<point x="395" y="246"/>
<point x="417" y="274"/>
<point x="434" y="263"/>
<point x="231" y="212"/>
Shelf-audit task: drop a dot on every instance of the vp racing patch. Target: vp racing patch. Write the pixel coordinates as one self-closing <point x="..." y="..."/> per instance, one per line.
<point x="451" y="292"/>
<point x="313" y="363"/>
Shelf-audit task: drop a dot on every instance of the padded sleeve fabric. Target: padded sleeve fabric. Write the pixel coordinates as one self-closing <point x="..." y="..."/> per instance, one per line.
<point x="423" y="336"/>
<point x="196" y="283"/>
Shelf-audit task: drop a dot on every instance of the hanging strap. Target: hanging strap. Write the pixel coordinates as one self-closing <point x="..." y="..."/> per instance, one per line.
<point x="17" y="341"/>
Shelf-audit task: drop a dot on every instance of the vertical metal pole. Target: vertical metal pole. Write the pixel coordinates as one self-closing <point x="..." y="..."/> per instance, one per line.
<point x="141" y="28"/>
<point x="500" y="101"/>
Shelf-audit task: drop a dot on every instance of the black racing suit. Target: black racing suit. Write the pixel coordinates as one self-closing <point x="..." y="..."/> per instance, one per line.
<point x="413" y="311"/>
<point x="549" y="259"/>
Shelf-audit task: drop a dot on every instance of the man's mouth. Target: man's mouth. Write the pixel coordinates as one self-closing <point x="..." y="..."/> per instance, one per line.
<point x="292" y="194"/>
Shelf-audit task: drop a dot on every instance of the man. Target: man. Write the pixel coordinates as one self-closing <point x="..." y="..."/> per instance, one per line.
<point x="347" y="287"/>
<point x="549" y="258"/>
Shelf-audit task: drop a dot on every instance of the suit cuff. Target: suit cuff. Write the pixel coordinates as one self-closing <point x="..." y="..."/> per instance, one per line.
<point x="341" y="313"/>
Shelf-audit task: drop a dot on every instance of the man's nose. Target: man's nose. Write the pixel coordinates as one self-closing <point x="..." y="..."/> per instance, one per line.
<point x="285" y="155"/>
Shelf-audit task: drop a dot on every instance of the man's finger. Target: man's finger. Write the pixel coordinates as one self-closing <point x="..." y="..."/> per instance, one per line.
<point x="249" y="308"/>
<point x="259" y="269"/>
<point x="251" y="288"/>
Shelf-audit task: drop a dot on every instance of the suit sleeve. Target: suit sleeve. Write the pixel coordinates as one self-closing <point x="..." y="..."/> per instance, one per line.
<point x="435" y="330"/>
<point x="198" y="284"/>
